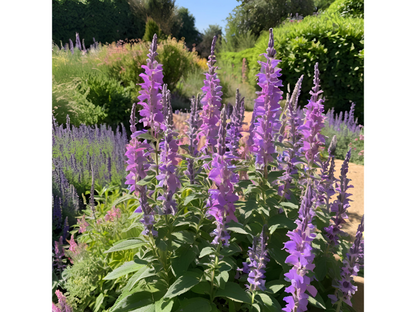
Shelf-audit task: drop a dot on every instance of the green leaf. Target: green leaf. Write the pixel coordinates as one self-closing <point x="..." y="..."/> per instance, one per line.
<point x="222" y="279"/>
<point x="275" y="285"/>
<point x="125" y="245"/>
<point x="234" y="292"/>
<point x="280" y="221"/>
<point x="191" y="197"/>
<point x="206" y="251"/>
<point x="126" y="268"/>
<point x="183" y="237"/>
<point x="137" y="300"/>
<point x="202" y="288"/>
<point x="289" y="205"/>
<point x="98" y="303"/>
<point x="181" y="263"/>
<point x="149" y="308"/>
<point x="269" y="303"/>
<point x="139" y="275"/>
<point x="238" y="230"/>
<point x="317" y="301"/>
<point x="195" y="304"/>
<point x="183" y="284"/>
<point x="321" y="267"/>
<point x="146" y="136"/>
<point x="164" y="305"/>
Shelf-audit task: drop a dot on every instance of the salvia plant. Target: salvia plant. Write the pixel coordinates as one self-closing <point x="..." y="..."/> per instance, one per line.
<point x="226" y="228"/>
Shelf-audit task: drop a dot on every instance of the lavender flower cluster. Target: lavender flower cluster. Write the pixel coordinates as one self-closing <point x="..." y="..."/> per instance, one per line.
<point x="81" y="47"/>
<point x="344" y="121"/>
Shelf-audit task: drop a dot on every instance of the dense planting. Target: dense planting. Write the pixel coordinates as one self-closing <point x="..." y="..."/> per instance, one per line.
<point x="100" y="86"/>
<point x="220" y="223"/>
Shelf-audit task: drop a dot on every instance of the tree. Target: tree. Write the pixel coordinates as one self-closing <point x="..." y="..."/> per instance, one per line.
<point x="151" y="29"/>
<point x="184" y="26"/>
<point x="204" y="48"/>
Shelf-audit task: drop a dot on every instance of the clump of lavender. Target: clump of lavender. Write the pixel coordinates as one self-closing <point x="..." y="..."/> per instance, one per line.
<point x="57" y="212"/>
<point x="211" y="102"/>
<point x="150" y="98"/>
<point x="267" y="107"/>
<point x="234" y="127"/>
<point x="340" y="205"/>
<point x="137" y="162"/>
<point x="78" y="42"/>
<point x="352" y="264"/>
<point x="256" y="266"/>
<point x="222" y="198"/>
<point x="314" y="122"/>
<point x="168" y="165"/>
<point x="194" y="123"/>
<point x="292" y="135"/>
<point x="301" y="257"/>
<point x="343" y="125"/>
<point x="326" y="185"/>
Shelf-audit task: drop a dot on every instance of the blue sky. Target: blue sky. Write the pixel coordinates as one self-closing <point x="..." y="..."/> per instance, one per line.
<point x="209" y="12"/>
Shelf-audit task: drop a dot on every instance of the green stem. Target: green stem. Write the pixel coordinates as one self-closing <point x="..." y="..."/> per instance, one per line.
<point x="213" y="272"/>
<point x="339" y="305"/>
<point x="252" y="299"/>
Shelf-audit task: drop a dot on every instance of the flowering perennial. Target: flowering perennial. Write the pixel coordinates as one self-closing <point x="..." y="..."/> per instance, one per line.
<point x="256" y="267"/>
<point x="352" y="264"/>
<point x="194" y="123"/>
<point x="314" y="122"/>
<point x="268" y="109"/>
<point x="62" y="306"/>
<point x="326" y="184"/>
<point x="222" y="198"/>
<point x="340" y="205"/>
<point x="113" y="214"/>
<point x="150" y="97"/>
<point x="59" y="255"/>
<point x="293" y="122"/>
<point x="234" y="127"/>
<point x="211" y="102"/>
<point x="83" y="224"/>
<point x="301" y="257"/>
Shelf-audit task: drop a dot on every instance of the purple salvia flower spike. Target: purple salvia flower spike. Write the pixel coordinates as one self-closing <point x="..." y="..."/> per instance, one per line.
<point x="256" y="267"/>
<point x="313" y="124"/>
<point x="211" y="102"/>
<point x="352" y="264"/>
<point x="267" y="107"/>
<point x="193" y="129"/>
<point x="234" y="127"/>
<point x="133" y="128"/>
<point x="150" y="98"/>
<point x="148" y="219"/>
<point x="301" y="257"/>
<point x="340" y="205"/>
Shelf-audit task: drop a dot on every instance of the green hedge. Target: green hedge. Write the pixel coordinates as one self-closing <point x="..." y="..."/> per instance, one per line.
<point x="335" y="42"/>
<point x="347" y="8"/>
<point x="105" y="20"/>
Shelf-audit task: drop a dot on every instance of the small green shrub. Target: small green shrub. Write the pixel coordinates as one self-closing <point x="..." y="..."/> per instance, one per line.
<point x="151" y="28"/>
<point x="348" y="8"/>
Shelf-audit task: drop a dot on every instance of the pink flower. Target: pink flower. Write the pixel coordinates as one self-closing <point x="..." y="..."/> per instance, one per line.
<point x="113" y="214"/>
<point x="361" y="137"/>
<point x="356" y="139"/>
<point x="82" y="224"/>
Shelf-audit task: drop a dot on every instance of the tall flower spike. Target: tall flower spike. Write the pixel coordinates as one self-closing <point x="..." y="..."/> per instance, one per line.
<point x="148" y="219"/>
<point x="293" y="136"/>
<point x="256" y="267"/>
<point x="234" y="127"/>
<point x="314" y="122"/>
<point x="301" y="257"/>
<point x="211" y="102"/>
<point x="193" y="129"/>
<point x="150" y="97"/>
<point x="169" y="169"/>
<point x="77" y="42"/>
<point x="326" y="185"/>
<point x="71" y="46"/>
<point x="59" y="255"/>
<point x="340" y="205"/>
<point x="352" y="264"/>
<point x="64" y="306"/>
<point x="222" y="132"/>
<point x="267" y="107"/>
<point x="133" y="128"/>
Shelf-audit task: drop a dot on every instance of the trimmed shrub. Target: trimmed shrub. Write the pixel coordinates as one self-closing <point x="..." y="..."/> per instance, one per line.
<point x="335" y="42"/>
<point x="151" y="28"/>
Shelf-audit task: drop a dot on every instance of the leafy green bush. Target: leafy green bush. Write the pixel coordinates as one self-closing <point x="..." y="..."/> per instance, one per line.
<point x="348" y="8"/>
<point x="151" y="28"/>
<point x="335" y="42"/>
<point x="88" y="283"/>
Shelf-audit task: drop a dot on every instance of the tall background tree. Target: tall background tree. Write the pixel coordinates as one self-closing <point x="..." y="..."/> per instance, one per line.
<point x="184" y="27"/>
<point x="204" y="48"/>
